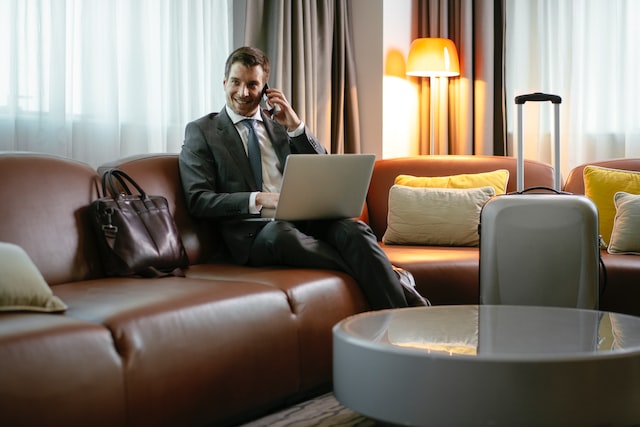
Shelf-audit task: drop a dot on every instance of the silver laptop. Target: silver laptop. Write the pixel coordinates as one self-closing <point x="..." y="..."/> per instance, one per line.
<point x="316" y="187"/>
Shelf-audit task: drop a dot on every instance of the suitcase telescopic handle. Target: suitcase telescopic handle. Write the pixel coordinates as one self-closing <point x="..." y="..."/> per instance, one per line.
<point x="538" y="97"/>
<point x="556" y="100"/>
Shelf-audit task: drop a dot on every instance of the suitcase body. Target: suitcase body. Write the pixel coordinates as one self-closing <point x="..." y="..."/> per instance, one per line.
<point x="539" y="248"/>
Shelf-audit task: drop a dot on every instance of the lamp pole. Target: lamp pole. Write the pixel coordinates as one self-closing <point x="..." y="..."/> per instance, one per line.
<point x="433" y="57"/>
<point x="432" y="116"/>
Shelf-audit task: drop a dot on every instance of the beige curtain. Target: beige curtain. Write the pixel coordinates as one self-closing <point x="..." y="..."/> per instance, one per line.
<point x="309" y="44"/>
<point x="470" y="112"/>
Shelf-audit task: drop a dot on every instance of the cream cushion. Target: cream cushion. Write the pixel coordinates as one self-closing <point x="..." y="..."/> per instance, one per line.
<point x="625" y="235"/>
<point x="22" y="287"/>
<point x="435" y="216"/>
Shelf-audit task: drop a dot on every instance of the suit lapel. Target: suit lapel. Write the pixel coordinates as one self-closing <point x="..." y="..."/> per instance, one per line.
<point x="227" y="136"/>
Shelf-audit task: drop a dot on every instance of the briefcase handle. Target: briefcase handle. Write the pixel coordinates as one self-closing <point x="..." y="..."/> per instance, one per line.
<point x="109" y="186"/>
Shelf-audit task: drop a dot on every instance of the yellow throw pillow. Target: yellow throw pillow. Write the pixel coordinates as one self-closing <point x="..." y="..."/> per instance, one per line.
<point x="600" y="185"/>
<point x="435" y="216"/>
<point x="22" y="287"/>
<point x="625" y="236"/>
<point x="497" y="179"/>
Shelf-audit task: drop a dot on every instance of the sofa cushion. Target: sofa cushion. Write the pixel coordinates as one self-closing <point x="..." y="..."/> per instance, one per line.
<point x="497" y="179"/>
<point x="625" y="235"/>
<point x="444" y="274"/>
<point x="205" y="337"/>
<point x="22" y="287"/>
<point x="59" y="371"/>
<point x="159" y="174"/>
<point x="435" y="216"/>
<point x="44" y="210"/>
<point x="600" y="185"/>
<point x="318" y="299"/>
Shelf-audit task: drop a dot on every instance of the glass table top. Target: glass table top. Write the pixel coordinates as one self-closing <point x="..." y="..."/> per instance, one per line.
<point x="497" y="332"/>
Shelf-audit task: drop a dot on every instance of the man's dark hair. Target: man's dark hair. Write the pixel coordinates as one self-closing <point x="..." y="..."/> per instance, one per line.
<point x="248" y="56"/>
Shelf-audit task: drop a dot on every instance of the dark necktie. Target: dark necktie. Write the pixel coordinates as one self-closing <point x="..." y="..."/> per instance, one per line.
<point x="253" y="152"/>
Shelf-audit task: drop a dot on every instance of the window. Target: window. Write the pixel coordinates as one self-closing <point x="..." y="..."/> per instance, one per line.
<point x="586" y="52"/>
<point x="98" y="80"/>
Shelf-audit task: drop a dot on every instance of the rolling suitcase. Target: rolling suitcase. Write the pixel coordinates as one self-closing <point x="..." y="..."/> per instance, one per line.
<point x="539" y="246"/>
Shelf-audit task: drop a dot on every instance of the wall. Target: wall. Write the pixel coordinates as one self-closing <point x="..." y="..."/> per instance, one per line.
<point x="388" y="100"/>
<point x="400" y="131"/>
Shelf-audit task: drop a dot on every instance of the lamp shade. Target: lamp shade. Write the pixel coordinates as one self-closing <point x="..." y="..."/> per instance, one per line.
<point x="433" y="57"/>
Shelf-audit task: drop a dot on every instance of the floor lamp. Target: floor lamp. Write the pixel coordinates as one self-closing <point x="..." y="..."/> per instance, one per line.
<point x="433" y="57"/>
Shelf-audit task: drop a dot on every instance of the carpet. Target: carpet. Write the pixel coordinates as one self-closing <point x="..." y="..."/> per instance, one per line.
<point x="323" y="411"/>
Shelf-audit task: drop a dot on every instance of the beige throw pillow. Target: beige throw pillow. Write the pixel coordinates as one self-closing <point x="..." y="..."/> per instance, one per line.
<point x="22" y="287"/>
<point x="435" y="216"/>
<point x="625" y="234"/>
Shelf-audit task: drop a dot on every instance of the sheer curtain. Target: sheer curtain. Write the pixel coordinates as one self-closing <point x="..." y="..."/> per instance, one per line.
<point x="586" y="52"/>
<point x="98" y="80"/>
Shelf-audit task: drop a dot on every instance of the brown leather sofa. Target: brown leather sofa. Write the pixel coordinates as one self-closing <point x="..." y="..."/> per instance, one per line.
<point x="622" y="278"/>
<point x="220" y="346"/>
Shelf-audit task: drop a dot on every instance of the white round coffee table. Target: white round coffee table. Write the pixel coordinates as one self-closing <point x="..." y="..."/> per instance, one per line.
<point x="490" y="366"/>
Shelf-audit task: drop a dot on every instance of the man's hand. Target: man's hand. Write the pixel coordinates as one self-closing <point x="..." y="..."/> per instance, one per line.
<point x="285" y="115"/>
<point x="267" y="200"/>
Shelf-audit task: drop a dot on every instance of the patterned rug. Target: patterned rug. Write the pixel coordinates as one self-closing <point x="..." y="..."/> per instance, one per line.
<point x="323" y="411"/>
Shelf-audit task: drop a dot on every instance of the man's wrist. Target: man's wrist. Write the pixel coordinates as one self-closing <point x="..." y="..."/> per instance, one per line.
<point x="253" y="207"/>
<point x="297" y="131"/>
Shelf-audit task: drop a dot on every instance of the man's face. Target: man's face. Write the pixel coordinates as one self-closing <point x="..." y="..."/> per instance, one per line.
<point x="243" y="88"/>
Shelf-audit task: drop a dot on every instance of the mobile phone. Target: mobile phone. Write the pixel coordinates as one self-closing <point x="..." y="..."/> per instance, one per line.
<point x="265" y="101"/>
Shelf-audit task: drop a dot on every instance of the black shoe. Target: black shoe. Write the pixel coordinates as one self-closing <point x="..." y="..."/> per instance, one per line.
<point x="414" y="299"/>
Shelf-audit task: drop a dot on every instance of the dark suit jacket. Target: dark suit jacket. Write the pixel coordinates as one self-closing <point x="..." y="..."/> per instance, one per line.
<point x="217" y="179"/>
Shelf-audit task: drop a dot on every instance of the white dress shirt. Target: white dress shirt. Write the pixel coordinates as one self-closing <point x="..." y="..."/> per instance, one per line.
<point x="271" y="176"/>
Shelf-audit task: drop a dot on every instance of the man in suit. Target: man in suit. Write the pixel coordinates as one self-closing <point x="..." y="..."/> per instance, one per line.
<point x="222" y="185"/>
